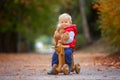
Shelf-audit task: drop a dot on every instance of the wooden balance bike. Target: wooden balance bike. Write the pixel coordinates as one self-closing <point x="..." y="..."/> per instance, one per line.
<point x="62" y="66"/>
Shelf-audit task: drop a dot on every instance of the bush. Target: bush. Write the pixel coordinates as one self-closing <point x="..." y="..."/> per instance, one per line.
<point x="80" y="41"/>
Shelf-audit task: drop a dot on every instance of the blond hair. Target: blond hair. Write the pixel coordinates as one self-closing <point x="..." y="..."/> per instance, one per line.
<point x="65" y="15"/>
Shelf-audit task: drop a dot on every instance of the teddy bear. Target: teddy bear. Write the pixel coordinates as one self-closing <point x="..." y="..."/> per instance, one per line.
<point x="60" y="35"/>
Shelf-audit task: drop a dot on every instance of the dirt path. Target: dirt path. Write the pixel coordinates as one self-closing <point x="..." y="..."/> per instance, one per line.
<point x="35" y="67"/>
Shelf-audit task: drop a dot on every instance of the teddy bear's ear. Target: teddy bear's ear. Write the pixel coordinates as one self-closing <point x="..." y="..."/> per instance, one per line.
<point x="58" y="25"/>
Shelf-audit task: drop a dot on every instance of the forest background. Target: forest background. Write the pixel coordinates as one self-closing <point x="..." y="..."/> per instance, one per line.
<point x="23" y="23"/>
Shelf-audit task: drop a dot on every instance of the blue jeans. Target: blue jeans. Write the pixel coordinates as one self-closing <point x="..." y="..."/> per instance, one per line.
<point x="68" y="56"/>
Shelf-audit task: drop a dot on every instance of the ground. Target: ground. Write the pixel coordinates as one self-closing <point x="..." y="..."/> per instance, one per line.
<point x="33" y="66"/>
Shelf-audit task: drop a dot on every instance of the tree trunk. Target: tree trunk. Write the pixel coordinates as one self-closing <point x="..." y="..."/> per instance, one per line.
<point x="19" y="42"/>
<point x="19" y="33"/>
<point x="84" y="22"/>
<point x="8" y="42"/>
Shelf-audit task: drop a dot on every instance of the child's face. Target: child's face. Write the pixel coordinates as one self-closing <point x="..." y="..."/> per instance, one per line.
<point x="65" y="22"/>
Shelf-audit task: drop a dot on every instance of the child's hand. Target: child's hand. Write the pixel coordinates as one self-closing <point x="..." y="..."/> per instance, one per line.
<point x="64" y="37"/>
<point x="62" y="31"/>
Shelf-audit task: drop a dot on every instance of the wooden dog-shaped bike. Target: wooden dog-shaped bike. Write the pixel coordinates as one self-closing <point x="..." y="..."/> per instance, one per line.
<point x="62" y="66"/>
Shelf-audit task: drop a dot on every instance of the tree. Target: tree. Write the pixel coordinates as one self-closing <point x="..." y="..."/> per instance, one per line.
<point x="109" y="12"/>
<point x="84" y="21"/>
<point x="22" y="21"/>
